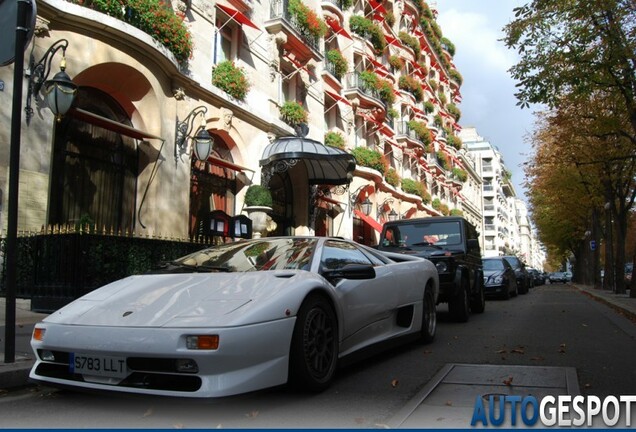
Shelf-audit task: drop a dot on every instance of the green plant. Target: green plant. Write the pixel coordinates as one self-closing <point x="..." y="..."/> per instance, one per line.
<point x="256" y="249"/>
<point x="422" y="132"/>
<point x="443" y="208"/>
<point x="368" y="29"/>
<point x="454" y="111"/>
<point x="448" y="46"/>
<point x="411" y="85"/>
<point x="307" y="18"/>
<point x="415" y="187"/>
<point x="231" y="79"/>
<point x="456" y="76"/>
<point x="258" y="195"/>
<point x="334" y="139"/>
<point x="370" y="158"/>
<point x="152" y="17"/>
<point x="436" y="204"/>
<point x="438" y="121"/>
<point x="293" y="113"/>
<point x="442" y="97"/>
<point x="429" y="107"/>
<point x="460" y="174"/>
<point x="389" y="18"/>
<point x="454" y="141"/>
<point x="392" y="113"/>
<point x="392" y="177"/>
<point x="396" y="62"/>
<point x="442" y="159"/>
<point x="411" y="41"/>
<point x="340" y="64"/>
<point x="456" y="212"/>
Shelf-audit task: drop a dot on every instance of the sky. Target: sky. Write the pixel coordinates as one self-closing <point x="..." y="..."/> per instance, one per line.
<point x="488" y="101"/>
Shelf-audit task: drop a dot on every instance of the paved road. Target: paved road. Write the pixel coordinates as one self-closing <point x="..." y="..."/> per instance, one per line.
<point x="551" y="326"/>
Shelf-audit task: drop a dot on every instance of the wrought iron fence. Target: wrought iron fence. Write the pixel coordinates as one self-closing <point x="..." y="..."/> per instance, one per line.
<point x="56" y="268"/>
<point x="280" y="9"/>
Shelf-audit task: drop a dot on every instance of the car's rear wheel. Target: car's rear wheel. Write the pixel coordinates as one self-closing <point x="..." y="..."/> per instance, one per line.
<point x="459" y="306"/>
<point x="429" y="316"/>
<point x="314" y="348"/>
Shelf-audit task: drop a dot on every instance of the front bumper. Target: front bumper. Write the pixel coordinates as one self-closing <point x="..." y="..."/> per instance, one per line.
<point x="248" y="358"/>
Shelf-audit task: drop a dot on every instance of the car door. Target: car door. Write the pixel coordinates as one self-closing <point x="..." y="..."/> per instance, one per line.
<point x="366" y="304"/>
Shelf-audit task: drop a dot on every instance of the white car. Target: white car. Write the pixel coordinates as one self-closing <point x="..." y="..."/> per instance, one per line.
<point x="238" y="317"/>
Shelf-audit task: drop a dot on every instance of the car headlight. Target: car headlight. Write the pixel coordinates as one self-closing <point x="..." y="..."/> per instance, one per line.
<point x="442" y="266"/>
<point x="497" y="279"/>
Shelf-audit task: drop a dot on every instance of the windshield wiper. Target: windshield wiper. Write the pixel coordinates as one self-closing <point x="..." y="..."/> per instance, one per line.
<point x="425" y="243"/>
<point x="199" y="269"/>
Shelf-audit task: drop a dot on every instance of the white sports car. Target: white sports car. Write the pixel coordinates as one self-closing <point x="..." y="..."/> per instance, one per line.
<point x="238" y="317"/>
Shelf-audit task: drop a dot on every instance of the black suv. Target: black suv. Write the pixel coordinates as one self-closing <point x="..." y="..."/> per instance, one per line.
<point x="452" y="244"/>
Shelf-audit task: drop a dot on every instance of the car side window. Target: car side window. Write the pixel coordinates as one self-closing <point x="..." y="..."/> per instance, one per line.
<point x="337" y="254"/>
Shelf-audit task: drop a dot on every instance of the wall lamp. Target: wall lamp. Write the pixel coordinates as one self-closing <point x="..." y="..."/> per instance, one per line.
<point x="392" y="215"/>
<point x="366" y="206"/>
<point x="59" y="91"/>
<point x="203" y="142"/>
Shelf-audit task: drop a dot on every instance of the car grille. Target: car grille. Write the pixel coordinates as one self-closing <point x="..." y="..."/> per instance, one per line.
<point x="147" y="373"/>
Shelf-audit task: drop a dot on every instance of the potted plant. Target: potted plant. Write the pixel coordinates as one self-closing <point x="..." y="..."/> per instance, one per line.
<point x="293" y="113"/>
<point x="231" y="79"/>
<point x="334" y="139"/>
<point x="339" y="63"/>
<point x="258" y="202"/>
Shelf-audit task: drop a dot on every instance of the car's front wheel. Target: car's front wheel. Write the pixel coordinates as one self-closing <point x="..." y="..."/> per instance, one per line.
<point x="314" y="347"/>
<point x="429" y="316"/>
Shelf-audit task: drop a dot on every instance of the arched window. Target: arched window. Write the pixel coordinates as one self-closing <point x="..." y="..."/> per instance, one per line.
<point x="94" y="173"/>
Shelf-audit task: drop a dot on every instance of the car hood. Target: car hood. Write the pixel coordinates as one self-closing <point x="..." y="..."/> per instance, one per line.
<point x="430" y="252"/>
<point x="184" y="300"/>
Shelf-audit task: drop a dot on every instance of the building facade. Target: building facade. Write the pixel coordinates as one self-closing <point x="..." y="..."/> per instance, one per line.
<point x="374" y="83"/>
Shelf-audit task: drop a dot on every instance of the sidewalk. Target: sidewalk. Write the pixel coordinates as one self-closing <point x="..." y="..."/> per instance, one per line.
<point x="16" y="374"/>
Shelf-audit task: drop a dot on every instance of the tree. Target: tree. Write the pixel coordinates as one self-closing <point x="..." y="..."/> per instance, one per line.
<point x="576" y="47"/>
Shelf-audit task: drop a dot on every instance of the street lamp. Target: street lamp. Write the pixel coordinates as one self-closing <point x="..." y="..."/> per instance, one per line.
<point x="59" y="91"/>
<point x="392" y="215"/>
<point x="203" y="142"/>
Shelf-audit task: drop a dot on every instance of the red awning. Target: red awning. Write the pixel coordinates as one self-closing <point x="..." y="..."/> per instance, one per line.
<point x="227" y="164"/>
<point x="370" y="119"/>
<point x="237" y="16"/>
<point x="337" y="28"/>
<point x="392" y="41"/>
<point x="377" y="7"/>
<point x="110" y="125"/>
<point x="369" y="220"/>
<point x="379" y="66"/>
<point x="337" y="97"/>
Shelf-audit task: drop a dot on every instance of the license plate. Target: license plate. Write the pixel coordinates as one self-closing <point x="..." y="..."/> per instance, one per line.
<point x="87" y="364"/>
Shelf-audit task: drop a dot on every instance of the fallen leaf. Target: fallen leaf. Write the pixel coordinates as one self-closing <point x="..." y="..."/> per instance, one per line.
<point x="584" y="325"/>
<point x="395" y="383"/>
<point x="455" y="337"/>
<point x="449" y="403"/>
<point x="428" y="352"/>
<point x="359" y="420"/>
<point x="508" y="381"/>
<point x="439" y="419"/>
<point x="178" y="426"/>
<point x="148" y="413"/>
<point x="502" y="351"/>
<point x="252" y="414"/>
<point x="537" y="358"/>
<point x="518" y="351"/>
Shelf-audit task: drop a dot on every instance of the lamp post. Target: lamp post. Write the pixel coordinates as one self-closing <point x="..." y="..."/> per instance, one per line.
<point x="62" y="101"/>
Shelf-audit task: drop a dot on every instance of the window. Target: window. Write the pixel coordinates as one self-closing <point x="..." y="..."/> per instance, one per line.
<point x="225" y="37"/>
<point x="337" y="254"/>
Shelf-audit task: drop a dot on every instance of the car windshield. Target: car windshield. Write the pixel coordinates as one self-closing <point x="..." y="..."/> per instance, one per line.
<point x="514" y="262"/>
<point x="493" y="264"/>
<point x="252" y="255"/>
<point x="422" y="234"/>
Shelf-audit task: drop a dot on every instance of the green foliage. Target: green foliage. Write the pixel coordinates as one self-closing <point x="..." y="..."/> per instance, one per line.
<point x="454" y="111"/>
<point x="442" y="159"/>
<point x="231" y="79"/>
<point x="411" y="41"/>
<point x="389" y="18"/>
<point x="456" y="76"/>
<point x="340" y="64"/>
<point x="392" y="113"/>
<point x="293" y="113"/>
<point x="422" y="132"/>
<point x="416" y="188"/>
<point x="460" y="174"/>
<point x="258" y="195"/>
<point x="392" y="177"/>
<point x="454" y="141"/>
<point x="396" y="62"/>
<point x="448" y="46"/>
<point x="437" y="204"/>
<point x="307" y="18"/>
<point x="334" y="139"/>
<point x="456" y="212"/>
<point x="438" y="121"/>
<point x="366" y="28"/>
<point x="411" y="85"/>
<point x="429" y="107"/>
<point x="370" y="158"/>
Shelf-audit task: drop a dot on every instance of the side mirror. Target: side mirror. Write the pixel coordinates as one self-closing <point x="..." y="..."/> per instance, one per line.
<point x="351" y="271"/>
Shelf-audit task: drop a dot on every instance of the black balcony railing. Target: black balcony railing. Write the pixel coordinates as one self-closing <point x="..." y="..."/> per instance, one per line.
<point x="353" y="81"/>
<point x="403" y="129"/>
<point x="279" y="9"/>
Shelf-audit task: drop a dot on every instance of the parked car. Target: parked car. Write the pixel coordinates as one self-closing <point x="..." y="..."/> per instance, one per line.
<point x="558" y="277"/>
<point x="238" y="317"/>
<point x="499" y="278"/>
<point x="522" y="276"/>
<point x="452" y="244"/>
<point x="538" y="278"/>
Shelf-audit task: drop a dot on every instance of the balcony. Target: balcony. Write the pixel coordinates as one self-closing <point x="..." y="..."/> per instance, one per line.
<point x="299" y="41"/>
<point x="333" y="6"/>
<point x="355" y="86"/>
